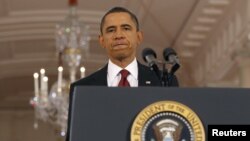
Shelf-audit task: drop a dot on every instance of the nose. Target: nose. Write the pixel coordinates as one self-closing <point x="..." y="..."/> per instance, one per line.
<point x="119" y="35"/>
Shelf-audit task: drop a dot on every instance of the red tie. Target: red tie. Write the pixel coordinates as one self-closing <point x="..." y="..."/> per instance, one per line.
<point x="124" y="82"/>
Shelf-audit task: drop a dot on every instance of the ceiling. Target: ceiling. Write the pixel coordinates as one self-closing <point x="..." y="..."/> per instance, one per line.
<point x="27" y="42"/>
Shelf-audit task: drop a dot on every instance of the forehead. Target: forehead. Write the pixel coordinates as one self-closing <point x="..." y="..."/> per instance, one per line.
<point x="119" y="18"/>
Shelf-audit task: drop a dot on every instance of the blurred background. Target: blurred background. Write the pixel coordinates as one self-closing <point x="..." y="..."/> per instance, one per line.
<point x="211" y="39"/>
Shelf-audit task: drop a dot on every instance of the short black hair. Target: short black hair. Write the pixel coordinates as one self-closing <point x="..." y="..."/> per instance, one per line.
<point x="117" y="10"/>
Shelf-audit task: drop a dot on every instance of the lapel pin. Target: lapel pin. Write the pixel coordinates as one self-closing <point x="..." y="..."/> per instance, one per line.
<point x="148" y="82"/>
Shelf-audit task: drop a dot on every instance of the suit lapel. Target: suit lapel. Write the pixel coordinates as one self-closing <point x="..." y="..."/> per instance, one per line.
<point x="144" y="77"/>
<point x="101" y="78"/>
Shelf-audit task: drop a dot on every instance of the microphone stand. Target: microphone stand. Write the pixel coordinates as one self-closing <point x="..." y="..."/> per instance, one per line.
<point x="167" y="77"/>
<point x="164" y="76"/>
<point x="174" y="68"/>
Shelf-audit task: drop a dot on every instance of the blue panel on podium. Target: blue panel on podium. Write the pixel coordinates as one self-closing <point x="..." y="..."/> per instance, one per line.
<point x="101" y="113"/>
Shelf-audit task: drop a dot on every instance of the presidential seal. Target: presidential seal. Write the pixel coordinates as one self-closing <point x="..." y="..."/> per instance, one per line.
<point x="167" y="121"/>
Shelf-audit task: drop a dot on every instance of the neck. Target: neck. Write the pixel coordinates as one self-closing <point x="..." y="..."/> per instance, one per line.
<point x="123" y="63"/>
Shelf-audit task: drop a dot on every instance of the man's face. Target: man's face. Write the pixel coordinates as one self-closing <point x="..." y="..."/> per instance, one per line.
<point x="120" y="38"/>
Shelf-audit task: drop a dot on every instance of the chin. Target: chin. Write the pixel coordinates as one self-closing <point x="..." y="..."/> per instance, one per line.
<point x="121" y="57"/>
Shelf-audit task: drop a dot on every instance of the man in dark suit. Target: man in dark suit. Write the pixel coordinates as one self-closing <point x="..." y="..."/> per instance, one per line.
<point x="120" y="36"/>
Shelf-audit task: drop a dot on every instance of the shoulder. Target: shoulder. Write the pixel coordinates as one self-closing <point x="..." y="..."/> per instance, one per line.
<point x="142" y="67"/>
<point x="96" y="78"/>
<point x="145" y="75"/>
<point x="145" y="70"/>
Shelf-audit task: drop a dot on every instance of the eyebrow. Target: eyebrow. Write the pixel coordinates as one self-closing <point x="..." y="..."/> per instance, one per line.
<point x="123" y="25"/>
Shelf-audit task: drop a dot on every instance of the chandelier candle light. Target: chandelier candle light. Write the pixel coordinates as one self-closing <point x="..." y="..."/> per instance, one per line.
<point x="72" y="41"/>
<point x="59" y="86"/>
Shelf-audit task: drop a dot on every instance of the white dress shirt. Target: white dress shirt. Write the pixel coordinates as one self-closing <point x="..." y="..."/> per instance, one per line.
<point x="114" y="76"/>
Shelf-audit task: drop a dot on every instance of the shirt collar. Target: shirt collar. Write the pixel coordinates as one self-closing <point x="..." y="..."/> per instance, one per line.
<point x="113" y="69"/>
<point x="133" y="69"/>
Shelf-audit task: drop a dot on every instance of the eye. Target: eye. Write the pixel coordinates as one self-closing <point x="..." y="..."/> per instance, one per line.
<point x="126" y="28"/>
<point x="110" y="30"/>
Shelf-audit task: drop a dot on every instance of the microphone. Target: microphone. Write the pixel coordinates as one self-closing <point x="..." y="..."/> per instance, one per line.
<point x="171" y="57"/>
<point x="149" y="56"/>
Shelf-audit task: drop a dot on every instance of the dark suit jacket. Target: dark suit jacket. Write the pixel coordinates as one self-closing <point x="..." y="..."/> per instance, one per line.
<point x="99" y="78"/>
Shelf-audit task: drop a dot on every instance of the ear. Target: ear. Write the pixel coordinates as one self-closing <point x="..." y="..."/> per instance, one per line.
<point x="140" y="36"/>
<point x="101" y="41"/>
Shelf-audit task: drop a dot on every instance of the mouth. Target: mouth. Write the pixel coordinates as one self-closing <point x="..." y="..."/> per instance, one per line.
<point x="120" y="46"/>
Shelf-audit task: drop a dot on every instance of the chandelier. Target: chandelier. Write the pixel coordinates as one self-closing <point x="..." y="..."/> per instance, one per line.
<point x="72" y="40"/>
